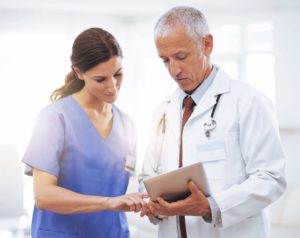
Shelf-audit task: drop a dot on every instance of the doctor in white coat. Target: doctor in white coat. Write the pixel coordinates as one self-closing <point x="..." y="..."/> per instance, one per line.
<point x="235" y="135"/>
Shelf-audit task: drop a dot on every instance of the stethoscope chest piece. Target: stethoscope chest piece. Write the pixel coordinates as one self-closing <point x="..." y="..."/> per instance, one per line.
<point x="209" y="126"/>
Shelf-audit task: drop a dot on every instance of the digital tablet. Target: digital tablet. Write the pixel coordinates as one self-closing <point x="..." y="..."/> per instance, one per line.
<point x="173" y="185"/>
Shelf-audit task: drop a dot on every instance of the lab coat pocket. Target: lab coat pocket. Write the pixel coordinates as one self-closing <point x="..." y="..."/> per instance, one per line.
<point x="213" y="156"/>
<point x="211" y="151"/>
<point x="222" y="161"/>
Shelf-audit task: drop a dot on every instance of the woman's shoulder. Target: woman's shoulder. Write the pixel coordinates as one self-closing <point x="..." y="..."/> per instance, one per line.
<point x="55" y="109"/>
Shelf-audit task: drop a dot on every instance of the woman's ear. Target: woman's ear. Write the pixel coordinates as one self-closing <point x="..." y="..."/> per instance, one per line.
<point x="78" y="73"/>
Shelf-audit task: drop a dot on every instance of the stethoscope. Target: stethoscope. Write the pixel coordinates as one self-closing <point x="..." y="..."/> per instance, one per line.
<point x="208" y="126"/>
<point x="211" y="124"/>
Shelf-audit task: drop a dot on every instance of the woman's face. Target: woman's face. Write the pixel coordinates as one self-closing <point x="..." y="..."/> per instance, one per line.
<point x="104" y="80"/>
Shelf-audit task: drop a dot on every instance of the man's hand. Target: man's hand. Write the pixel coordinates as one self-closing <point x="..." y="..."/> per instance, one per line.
<point x="194" y="205"/>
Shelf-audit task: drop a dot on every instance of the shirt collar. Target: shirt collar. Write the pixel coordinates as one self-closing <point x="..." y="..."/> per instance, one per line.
<point x="200" y="91"/>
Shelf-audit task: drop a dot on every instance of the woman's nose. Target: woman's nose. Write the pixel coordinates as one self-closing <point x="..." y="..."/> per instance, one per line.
<point x="111" y="85"/>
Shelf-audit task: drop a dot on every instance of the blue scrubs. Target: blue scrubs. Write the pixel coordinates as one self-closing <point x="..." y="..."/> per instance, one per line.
<point x="66" y="144"/>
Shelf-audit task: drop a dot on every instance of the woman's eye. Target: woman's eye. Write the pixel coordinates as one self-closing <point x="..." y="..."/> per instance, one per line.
<point x="99" y="80"/>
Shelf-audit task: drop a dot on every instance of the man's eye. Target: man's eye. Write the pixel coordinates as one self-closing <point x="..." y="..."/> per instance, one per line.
<point x="181" y="57"/>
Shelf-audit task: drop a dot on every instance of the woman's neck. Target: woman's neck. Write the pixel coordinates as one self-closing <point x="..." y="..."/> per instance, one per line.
<point x="91" y="103"/>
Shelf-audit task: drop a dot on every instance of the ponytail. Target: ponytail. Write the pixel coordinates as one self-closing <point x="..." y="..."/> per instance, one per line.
<point x="72" y="85"/>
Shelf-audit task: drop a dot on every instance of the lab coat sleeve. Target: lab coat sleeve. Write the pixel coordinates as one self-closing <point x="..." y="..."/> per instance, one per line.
<point x="263" y="156"/>
<point x="152" y="154"/>
<point x="46" y="144"/>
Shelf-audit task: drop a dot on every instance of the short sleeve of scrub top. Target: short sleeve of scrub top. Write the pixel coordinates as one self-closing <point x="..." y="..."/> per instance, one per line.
<point x="47" y="142"/>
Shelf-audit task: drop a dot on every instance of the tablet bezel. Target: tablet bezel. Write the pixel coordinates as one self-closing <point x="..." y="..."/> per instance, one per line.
<point x="173" y="185"/>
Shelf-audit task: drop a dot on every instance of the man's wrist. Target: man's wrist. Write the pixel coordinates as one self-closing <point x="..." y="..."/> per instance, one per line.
<point x="207" y="214"/>
<point x="215" y="217"/>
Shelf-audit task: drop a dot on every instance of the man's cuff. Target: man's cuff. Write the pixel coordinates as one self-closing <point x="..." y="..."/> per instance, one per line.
<point x="215" y="217"/>
<point x="155" y="220"/>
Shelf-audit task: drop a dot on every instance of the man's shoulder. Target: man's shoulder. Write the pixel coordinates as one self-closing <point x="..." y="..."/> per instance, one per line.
<point x="161" y="107"/>
<point x="238" y="88"/>
<point x="247" y="96"/>
<point x="163" y="104"/>
<point x="240" y="91"/>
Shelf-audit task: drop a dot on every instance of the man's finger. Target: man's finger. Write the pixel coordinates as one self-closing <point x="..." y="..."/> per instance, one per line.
<point x="162" y="202"/>
<point x="193" y="188"/>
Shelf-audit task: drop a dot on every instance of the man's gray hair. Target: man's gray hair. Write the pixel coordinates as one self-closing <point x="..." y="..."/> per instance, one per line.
<point x="190" y="18"/>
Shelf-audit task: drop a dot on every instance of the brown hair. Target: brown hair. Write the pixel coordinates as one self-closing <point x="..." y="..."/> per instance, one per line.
<point x="91" y="47"/>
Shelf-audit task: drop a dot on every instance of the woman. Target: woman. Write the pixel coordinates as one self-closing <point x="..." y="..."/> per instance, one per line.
<point x="80" y="147"/>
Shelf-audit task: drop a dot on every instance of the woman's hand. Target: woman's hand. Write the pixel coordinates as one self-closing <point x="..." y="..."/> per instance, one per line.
<point x="128" y="202"/>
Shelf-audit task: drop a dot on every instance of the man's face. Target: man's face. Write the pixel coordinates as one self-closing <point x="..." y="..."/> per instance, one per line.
<point x="187" y="61"/>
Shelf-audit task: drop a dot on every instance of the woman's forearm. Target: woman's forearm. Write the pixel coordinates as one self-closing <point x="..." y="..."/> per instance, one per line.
<point x="61" y="200"/>
<point x="49" y="196"/>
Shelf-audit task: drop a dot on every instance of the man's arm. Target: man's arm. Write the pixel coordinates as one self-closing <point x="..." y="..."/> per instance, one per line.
<point x="262" y="154"/>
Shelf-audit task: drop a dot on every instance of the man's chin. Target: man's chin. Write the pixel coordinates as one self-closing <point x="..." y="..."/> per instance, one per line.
<point x="186" y="89"/>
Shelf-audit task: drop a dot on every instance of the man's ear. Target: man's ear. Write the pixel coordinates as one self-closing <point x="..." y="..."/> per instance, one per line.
<point x="78" y="73"/>
<point x="208" y="44"/>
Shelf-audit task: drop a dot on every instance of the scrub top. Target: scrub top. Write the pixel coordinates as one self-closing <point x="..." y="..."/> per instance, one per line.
<point x="66" y="144"/>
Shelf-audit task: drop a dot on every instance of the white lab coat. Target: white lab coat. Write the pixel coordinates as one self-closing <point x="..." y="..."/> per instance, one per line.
<point x="243" y="159"/>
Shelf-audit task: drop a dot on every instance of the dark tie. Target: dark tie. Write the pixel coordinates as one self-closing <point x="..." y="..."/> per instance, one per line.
<point x="188" y="104"/>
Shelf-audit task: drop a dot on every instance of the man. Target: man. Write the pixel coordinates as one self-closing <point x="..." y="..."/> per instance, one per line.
<point x="229" y="127"/>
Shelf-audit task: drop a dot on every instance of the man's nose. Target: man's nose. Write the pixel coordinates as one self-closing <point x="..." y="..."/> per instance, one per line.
<point x="174" y="68"/>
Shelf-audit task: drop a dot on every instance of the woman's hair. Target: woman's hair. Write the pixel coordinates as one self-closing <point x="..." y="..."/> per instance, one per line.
<point x="91" y="47"/>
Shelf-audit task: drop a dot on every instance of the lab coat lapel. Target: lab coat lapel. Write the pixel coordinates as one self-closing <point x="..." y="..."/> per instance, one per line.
<point x="173" y="115"/>
<point x="219" y="86"/>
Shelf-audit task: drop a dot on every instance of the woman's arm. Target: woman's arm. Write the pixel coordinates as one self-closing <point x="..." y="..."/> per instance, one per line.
<point x="49" y="196"/>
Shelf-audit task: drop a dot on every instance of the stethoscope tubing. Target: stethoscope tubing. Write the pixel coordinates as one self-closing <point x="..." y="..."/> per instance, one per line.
<point x="208" y="126"/>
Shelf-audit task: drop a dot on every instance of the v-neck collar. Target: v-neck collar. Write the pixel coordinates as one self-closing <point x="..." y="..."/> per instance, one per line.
<point x="90" y="123"/>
